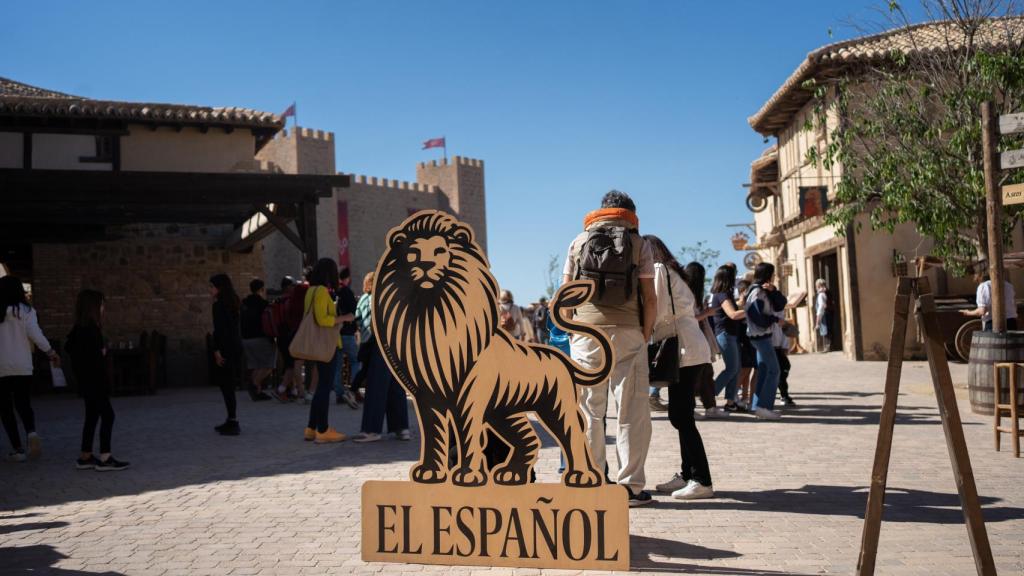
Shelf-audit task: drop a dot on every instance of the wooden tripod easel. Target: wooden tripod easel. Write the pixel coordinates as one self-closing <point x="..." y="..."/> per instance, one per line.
<point x="918" y="288"/>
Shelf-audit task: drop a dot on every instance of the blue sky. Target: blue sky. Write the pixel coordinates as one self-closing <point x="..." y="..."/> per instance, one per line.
<point x="563" y="100"/>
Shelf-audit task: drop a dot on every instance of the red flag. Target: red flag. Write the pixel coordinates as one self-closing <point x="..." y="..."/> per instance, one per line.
<point x="289" y="112"/>
<point x="434" y="143"/>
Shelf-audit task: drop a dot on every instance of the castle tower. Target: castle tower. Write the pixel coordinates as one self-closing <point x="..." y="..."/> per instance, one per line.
<point x="300" y="151"/>
<point x="461" y="182"/>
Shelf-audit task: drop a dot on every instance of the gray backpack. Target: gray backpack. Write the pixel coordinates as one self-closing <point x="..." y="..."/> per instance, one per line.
<point x="608" y="258"/>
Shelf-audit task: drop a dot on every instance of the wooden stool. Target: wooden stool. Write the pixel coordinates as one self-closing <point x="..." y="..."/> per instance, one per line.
<point x="997" y="408"/>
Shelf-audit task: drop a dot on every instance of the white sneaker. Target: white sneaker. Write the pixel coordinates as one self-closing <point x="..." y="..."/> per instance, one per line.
<point x="364" y="437"/>
<point x="694" y="491"/>
<point x="404" y="435"/>
<point x="16" y="457"/>
<point x="307" y="398"/>
<point x="672" y="485"/>
<point x="766" y="414"/>
<point x="715" y="412"/>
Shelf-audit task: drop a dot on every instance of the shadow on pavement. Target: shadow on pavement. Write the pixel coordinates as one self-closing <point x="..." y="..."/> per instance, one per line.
<point x="901" y="505"/>
<point x="39" y="559"/>
<point x="842" y="414"/>
<point x="7" y="529"/>
<point x="646" y="555"/>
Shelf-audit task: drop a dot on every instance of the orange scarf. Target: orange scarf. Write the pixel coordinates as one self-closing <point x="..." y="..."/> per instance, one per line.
<point x="611" y="214"/>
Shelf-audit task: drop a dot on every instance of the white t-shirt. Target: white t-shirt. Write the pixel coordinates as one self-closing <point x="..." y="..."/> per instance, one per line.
<point x="821" y="304"/>
<point x="693" y="345"/>
<point x="984" y="298"/>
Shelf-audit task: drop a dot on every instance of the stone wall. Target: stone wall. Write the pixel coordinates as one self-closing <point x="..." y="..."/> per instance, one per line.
<point x="156" y="278"/>
<point x="374" y="204"/>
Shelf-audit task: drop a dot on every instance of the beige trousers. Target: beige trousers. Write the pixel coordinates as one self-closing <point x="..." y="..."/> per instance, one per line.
<point x="629" y="384"/>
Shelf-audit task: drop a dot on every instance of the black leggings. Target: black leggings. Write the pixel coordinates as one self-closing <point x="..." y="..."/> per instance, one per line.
<point x="680" y="413"/>
<point x="97" y="410"/>
<point x="784" y="367"/>
<point x="224" y="377"/>
<point x="15" y="395"/>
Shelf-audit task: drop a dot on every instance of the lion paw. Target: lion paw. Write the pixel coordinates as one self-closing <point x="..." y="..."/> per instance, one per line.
<point x="427" y="474"/>
<point x="582" y="479"/>
<point x="468" y="477"/>
<point x="510" y="476"/>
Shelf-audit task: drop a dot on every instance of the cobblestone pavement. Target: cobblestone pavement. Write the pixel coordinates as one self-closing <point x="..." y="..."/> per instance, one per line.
<point x="791" y="494"/>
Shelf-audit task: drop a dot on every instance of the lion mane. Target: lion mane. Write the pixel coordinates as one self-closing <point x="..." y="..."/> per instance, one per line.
<point x="435" y="319"/>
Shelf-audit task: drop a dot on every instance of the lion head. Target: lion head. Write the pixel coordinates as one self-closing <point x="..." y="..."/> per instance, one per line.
<point x="434" y="301"/>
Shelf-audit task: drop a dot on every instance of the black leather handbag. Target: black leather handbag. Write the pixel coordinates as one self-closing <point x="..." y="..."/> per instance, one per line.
<point x="664" y="359"/>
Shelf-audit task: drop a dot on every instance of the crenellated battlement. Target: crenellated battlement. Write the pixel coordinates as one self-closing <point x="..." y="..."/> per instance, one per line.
<point x="460" y="160"/>
<point x="306" y="133"/>
<point x="391" y="183"/>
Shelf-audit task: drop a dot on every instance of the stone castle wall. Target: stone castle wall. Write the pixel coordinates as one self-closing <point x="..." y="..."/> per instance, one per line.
<point x="374" y="205"/>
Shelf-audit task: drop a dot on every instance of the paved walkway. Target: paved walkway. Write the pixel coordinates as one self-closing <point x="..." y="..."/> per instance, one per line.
<point x="791" y="494"/>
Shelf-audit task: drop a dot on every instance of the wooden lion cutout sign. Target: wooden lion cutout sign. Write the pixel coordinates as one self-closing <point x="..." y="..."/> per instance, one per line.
<point x="436" y="321"/>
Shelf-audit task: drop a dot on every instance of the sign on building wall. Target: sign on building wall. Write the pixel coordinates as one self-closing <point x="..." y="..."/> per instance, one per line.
<point x="435" y="316"/>
<point x="344" y="259"/>
<point x="813" y="201"/>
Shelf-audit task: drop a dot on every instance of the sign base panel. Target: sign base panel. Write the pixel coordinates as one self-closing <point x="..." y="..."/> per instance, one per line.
<point x="529" y="526"/>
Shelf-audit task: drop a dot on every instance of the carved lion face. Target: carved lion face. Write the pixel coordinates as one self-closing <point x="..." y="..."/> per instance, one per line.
<point x="428" y="260"/>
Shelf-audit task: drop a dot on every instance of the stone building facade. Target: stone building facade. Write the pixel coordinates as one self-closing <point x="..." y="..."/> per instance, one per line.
<point x="790" y="196"/>
<point x="143" y="202"/>
<point x="353" y="224"/>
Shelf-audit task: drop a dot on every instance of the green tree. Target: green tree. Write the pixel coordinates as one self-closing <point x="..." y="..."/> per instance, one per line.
<point x="552" y="275"/>
<point x="906" y="128"/>
<point x="699" y="252"/>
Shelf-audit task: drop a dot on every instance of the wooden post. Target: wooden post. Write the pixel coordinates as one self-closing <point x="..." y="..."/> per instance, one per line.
<point x="994" y="213"/>
<point x="883" y="448"/>
<point x="919" y="289"/>
<point x="953" y="428"/>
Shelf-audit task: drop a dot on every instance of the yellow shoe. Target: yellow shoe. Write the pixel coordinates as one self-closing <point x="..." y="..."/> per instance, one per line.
<point x="329" y="436"/>
<point x="309" y="435"/>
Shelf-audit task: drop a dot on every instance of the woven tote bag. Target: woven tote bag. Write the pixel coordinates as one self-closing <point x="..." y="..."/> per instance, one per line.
<point x="313" y="341"/>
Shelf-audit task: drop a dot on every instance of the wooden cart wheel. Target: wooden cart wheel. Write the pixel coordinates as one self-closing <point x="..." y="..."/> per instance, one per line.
<point x="951" y="352"/>
<point x="963" y="338"/>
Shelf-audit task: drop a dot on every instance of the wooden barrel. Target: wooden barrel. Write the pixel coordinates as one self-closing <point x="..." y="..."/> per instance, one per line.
<point x="988" y="348"/>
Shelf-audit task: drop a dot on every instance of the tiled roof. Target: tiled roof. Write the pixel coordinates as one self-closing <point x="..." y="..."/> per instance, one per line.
<point x="18" y="99"/>
<point x="776" y="113"/>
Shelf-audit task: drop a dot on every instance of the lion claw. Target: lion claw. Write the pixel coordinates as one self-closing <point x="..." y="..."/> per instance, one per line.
<point x="582" y="479"/>
<point x="427" y="474"/>
<point x="468" y="477"/>
<point x="510" y="476"/>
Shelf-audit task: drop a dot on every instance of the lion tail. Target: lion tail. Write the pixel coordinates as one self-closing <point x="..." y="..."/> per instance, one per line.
<point x="571" y="295"/>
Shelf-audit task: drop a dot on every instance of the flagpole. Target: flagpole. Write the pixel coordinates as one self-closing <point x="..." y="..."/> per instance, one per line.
<point x="445" y="148"/>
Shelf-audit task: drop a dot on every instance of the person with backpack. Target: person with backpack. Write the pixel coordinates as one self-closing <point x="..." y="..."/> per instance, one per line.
<point x="227" y="347"/>
<point x="88" y="350"/>
<point x="260" y="355"/>
<point x="679" y="317"/>
<point x="763" y="306"/>
<point x="19" y="331"/>
<point x="611" y="253"/>
<point x="277" y="323"/>
<point x="385" y="397"/>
